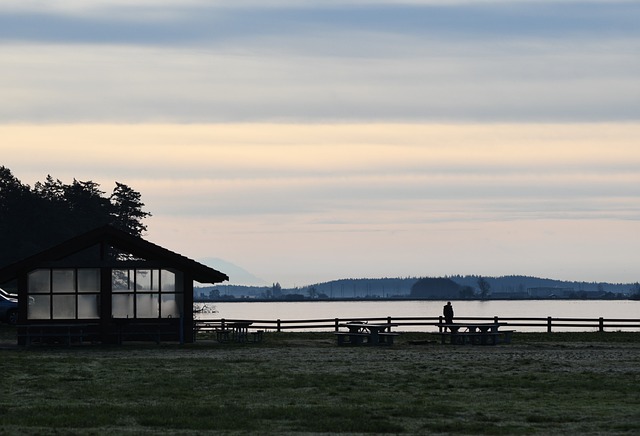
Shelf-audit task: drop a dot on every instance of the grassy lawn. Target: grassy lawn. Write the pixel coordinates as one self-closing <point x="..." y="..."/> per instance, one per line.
<point x="573" y="383"/>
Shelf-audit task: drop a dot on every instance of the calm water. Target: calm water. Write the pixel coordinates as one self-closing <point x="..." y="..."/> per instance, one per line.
<point x="376" y="309"/>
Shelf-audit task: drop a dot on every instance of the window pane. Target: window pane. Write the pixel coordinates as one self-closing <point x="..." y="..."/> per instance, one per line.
<point x="89" y="280"/>
<point x="121" y="280"/>
<point x="64" y="280"/>
<point x="168" y="280"/>
<point x="147" y="306"/>
<point x="39" y="307"/>
<point x="122" y="306"/>
<point x="144" y="280"/>
<point x="88" y="307"/>
<point x="171" y="305"/>
<point x="64" y="307"/>
<point x="39" y="281"/>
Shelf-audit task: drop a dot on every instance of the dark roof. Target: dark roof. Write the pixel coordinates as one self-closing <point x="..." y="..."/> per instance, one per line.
<point x="118" y="239"/>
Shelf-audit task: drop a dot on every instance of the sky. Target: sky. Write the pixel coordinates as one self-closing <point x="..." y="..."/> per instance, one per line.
<point x="305" y="141"/>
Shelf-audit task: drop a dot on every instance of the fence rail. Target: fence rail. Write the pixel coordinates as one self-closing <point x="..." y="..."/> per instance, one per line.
<point x="331" y="324"/>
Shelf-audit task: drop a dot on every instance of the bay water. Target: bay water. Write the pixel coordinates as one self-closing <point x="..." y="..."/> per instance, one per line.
<point x="303" y="310"/>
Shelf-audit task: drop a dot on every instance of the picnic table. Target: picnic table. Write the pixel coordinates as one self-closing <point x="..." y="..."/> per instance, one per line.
<point x="363" y="333"/>
<point x="474" y="333"/>
<point x="237" y="331"/>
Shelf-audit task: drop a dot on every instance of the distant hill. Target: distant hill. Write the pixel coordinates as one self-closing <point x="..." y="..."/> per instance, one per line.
<point x="535" y="287"/>
<point x="237" y="275"/>
<point x="365" y="288"/>
<point x="451" y="287"/>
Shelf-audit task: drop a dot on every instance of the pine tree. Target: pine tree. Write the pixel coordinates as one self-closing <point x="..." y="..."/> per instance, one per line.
<point x="34" y="219"/>
<point x="126" y="211"/>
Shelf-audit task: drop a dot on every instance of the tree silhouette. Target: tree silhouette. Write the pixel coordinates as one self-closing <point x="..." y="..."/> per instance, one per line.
<point x="485" y="287"/>
<point x="127" y="213"/>
<point x="435" y="287"/>
<point x="466" y="292"/>
<point x="32" y="219"/>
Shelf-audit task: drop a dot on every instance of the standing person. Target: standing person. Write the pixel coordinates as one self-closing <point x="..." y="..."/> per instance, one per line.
<point x="447" y="312"/>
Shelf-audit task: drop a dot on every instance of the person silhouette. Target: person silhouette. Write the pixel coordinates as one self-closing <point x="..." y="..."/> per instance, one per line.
<point x="447" y="312"/>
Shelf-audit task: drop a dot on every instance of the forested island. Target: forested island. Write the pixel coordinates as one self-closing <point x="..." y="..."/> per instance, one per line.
<point x="458" y="287"/>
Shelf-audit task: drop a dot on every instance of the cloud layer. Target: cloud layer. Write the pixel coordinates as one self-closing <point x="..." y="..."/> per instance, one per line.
<point x="356" y="61"/>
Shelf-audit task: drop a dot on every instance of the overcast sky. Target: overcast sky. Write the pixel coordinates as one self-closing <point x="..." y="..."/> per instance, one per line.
<point x="313" y="140"/>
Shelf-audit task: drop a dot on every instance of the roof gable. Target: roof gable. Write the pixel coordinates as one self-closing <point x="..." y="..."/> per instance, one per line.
<point x="112" y="237"/>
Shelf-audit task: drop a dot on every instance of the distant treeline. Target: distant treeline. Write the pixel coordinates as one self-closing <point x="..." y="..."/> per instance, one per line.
<point x="430" y="288"/>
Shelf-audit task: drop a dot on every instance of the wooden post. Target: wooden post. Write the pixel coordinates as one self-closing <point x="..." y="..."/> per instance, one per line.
<point x="495" y="319"/>
<point x="336" y="324"/>
<point x="601" y="324"/>
<point x="107" y="333"/>
<point x="278" y="323"/>
<point x="23" y="309"/>
<point x="440" y="324"/>
<point x="549" y="324"/>
<point x="187" y="316"/>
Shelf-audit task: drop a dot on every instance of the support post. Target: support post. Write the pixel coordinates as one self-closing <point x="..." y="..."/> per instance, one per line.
<point x="549" y="324"/>
<point x="187" y="317"/>
<point x="601" y="324"/>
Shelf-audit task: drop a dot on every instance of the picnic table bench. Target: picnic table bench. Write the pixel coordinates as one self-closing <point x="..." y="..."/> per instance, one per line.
<point x="237" y="331"/>
<point x="474" y="334"/>
<point x="362" y="333"/>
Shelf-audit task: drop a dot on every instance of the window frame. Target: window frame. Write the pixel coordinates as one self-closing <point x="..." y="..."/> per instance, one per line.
<point x="154" y="288"/>
<point x="56" y="291"/>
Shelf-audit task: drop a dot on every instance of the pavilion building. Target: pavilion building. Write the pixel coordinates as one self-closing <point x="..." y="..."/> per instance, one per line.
<point x="106" y="286"/>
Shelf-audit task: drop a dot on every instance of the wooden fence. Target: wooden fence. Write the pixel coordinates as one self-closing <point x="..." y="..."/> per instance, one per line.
<point x="430" y="323"/>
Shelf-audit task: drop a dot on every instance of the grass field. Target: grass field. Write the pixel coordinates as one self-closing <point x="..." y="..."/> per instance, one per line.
<point x="571" y="383"/>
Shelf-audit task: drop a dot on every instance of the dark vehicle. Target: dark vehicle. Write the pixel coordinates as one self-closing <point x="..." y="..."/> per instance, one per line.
<point x="8" y="307"/>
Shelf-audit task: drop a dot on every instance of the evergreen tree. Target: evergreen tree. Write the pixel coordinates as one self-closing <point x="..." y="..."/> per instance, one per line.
<point x="34" y="219"/>
<point x="18" y="212"/>
<point x="127" y="213"/>
<point x="87" y="206"/>
<point x="485" y="288"/>
<point x="435" y="288"/>
<point x="51" y="190"/>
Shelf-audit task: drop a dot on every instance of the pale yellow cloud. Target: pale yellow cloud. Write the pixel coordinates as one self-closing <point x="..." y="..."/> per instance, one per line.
<point x="205" y="149"/>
